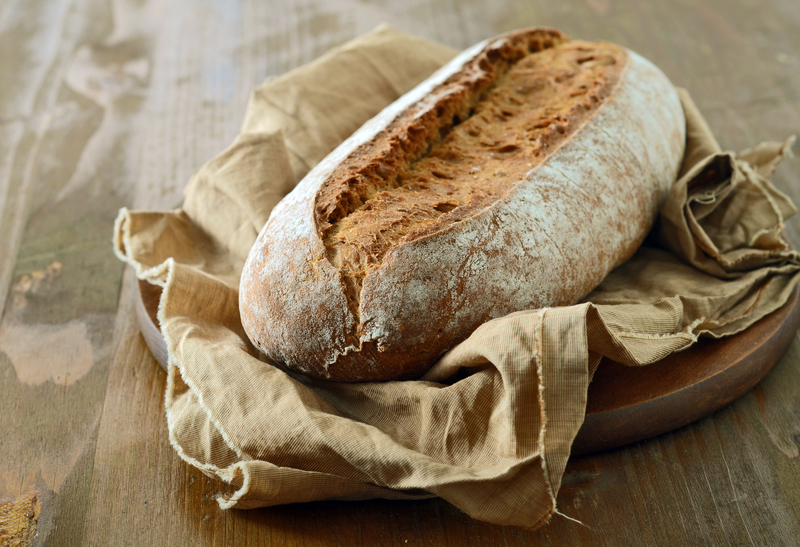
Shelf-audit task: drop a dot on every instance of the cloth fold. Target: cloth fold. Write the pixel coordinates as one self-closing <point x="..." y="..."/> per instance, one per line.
<point x="490" y="426"/>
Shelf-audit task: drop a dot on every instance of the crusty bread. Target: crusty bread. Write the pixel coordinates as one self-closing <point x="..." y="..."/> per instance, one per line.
<point x="516" y="177"/>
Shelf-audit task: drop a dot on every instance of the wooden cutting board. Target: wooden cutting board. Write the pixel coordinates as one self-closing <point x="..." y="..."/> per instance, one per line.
<point x="630" y="404"/>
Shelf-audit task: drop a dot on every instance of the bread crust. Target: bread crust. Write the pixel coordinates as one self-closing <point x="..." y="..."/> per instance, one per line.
<point x="546" y="241"/>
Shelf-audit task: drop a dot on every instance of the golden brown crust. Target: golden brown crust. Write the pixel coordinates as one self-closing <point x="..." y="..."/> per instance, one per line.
<point x="416" y="230"/>
<point x="499" y="117"/>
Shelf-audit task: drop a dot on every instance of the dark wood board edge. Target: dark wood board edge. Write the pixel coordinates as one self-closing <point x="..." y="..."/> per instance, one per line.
<point x="147" y="314"/>
<point x="761" y="346"/>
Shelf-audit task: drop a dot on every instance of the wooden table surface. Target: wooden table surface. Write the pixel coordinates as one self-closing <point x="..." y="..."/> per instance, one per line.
<point x="112" y="103"/>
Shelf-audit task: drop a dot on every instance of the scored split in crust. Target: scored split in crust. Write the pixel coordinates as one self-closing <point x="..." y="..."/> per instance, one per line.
<point x="462" y="149"/>
<point x="386" y="297"/>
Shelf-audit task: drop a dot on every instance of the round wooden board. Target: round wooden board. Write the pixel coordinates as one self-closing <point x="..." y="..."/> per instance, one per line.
<point x="630" y="404"/>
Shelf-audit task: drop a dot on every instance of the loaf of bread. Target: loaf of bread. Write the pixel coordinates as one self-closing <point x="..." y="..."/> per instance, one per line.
<point x="516" y="177"/>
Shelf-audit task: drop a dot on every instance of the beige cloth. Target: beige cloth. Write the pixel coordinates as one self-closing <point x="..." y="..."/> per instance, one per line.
<point x="489" y="428"/>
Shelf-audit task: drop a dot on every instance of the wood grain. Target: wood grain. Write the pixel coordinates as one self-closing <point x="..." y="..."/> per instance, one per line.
<point x="108" y="103"/>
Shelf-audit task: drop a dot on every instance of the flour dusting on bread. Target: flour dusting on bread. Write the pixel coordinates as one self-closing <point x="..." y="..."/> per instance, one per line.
<point x="515" y="178"/>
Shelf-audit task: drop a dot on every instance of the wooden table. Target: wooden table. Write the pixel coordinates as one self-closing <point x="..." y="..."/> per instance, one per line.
<point x="111" y="104"/>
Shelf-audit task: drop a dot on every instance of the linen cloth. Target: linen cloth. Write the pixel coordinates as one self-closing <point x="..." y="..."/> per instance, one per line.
<point x="489" y="427"/>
